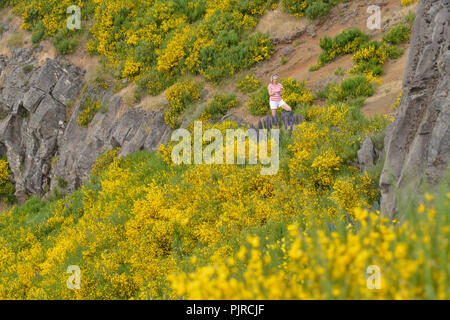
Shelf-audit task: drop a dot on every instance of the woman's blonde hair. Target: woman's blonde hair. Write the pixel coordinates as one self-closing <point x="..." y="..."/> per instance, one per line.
<point x="273" y="76"/>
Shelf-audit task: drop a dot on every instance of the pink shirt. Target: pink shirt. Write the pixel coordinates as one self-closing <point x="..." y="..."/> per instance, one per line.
<point x="275" y="87"/>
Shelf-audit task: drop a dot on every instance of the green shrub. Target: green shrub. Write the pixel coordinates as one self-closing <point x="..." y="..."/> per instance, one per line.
<point x="317" y="9"/>
<point x="312" y="9"/>
<point x="27" y="68"/>
<point x="348" y="41"/>
<point x="193" y="14"/>
<point x="104" y="107"/>
<point x="70" y="104"/>
<point x="339" y="72"/>
<point x="259" y="102"/>
<point x="351" y="88"/>
<point x="397" y="34"/>
<point x="65" y="41"/>
<point x="155" y="82"/>
<point x="219" y="106"/>
<point x="324" y="92"/>
<point x="394" y="51"/>
<point x="61" y="183"/>
<point x="378" y="140"/>
<point x="228" y="56"/>
<point x="410" y="17"/>
<point x="38" y="33"/>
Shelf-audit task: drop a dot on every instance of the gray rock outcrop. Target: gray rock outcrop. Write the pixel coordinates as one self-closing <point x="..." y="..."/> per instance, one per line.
<point x="39" y="131"/>
<point x="366" y="155"/>
<point x="418" y="142"/>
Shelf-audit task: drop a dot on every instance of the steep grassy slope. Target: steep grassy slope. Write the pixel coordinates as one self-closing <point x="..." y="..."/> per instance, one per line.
<point x="143" y="228"/>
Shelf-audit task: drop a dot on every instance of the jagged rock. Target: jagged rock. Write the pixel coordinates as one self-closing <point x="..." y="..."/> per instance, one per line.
<point x="41" y="144"/>
<point x="366" y="154"/>
<point x="417" y="145"/>
<point x="311" y="30"/>
<point x="68" y="87"/>
<point x="131" y="129"/>
<point x="47" y="76"/>
<point x="32" y="98"/>
<point x="159" y="133"/>
<point x="287" y="51"/>
<point x="45" y="120"/>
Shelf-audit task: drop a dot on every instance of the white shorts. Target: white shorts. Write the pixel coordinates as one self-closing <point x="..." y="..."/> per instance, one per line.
<point x="276" y="104"/>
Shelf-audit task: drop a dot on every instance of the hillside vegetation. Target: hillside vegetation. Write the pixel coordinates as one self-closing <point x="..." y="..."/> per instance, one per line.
<point x="143" y="228"/>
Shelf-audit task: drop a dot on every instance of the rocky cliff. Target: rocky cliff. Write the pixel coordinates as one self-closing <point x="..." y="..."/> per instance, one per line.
<point x="39" y="131"/>
<point x="417" y="144"/>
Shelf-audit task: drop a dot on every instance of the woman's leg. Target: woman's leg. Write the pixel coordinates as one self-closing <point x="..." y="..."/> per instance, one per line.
<point x="286" y="107"/>
<point x="273" y="107"/>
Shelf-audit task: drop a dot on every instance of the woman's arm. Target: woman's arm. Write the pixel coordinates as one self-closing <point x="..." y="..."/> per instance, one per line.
<point x="271" y="91"/>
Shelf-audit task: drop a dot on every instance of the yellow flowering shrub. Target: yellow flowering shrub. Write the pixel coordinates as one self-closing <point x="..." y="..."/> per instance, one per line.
<point x="4" y="171"/>
<point x="131" y="68"/>
<point x="145" y="228"/>
<point x="296" y="8"/>
<point x="104" y="161"/>
<point x="173" y="53"/>
<point x="347" y="41"/>
<point x="295" y="92"/>
<point x="397" y="102"/>
<point x="52" y="13"/>
<point x="336" y="262"/>
<point x="369" y="60"/>
<point x="179" y="96"/>
<point x="248" y="84"/>
<point x="139" y="38"/>
<point x="87" y="111"/>
<point x="407" y="2"/>
<point x="6" y="187"/>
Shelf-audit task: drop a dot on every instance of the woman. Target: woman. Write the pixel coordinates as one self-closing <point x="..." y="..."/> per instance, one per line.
<point x="275" y="91"/>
